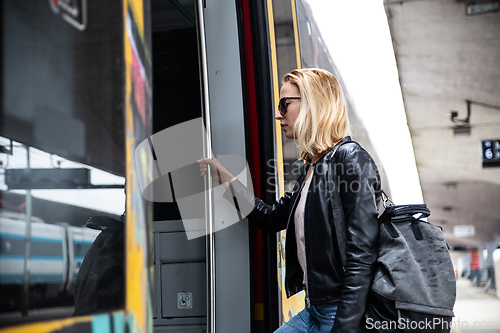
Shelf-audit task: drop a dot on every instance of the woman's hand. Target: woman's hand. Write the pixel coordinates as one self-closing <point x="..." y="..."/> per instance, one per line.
<point x="218" y="171"/>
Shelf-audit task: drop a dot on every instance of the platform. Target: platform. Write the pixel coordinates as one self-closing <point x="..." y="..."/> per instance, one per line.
<point x="475" y="310"/>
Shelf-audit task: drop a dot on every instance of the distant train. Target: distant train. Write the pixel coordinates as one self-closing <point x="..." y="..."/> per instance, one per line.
<point x="57" y="252"/>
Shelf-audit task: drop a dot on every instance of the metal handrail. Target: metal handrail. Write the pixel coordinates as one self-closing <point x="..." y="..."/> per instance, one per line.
<point x="207" y="152"/>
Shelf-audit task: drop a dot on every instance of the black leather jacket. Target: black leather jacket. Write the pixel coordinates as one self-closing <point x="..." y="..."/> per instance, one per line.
<point x="345" y="185"/>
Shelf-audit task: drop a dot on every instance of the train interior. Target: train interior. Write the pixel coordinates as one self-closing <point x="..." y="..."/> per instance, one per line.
<point x="180" y="288"/>
<point x="176" y="76"/>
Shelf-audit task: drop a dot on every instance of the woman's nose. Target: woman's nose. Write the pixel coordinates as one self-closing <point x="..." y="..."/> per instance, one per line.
<point x="278" y="116"/>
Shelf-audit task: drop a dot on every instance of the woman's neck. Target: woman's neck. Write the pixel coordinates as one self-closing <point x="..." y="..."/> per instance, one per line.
<point x="314" y="158"/>
<point x="317" y="157"/>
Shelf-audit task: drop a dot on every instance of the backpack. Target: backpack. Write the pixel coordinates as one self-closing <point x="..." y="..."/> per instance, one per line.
<point x="414" y="287"/>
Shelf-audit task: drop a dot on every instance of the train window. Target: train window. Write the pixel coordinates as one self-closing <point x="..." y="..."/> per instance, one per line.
<point x="287" y="61"/>
<point x="286" y="53"/>
<point x="306" y="28"/>
<point x="62" y="160"/>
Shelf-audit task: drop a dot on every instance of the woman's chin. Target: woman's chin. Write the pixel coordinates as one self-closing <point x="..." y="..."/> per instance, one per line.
<point x="286" y="133"/>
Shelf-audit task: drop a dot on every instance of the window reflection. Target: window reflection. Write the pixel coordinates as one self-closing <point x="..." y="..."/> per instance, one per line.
<point x="46" y="263"/>
<point x="287" y="61"/>
<point x="62" y="151"/>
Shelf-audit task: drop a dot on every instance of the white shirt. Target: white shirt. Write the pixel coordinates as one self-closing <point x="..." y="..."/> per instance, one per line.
<point x="299" y="227"/>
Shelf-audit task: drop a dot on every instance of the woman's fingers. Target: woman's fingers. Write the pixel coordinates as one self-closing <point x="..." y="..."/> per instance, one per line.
<point x="218" y="171"/>
<point x="214" y="165"/>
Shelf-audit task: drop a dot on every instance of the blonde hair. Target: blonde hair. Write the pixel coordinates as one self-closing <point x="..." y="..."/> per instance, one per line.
<point x="323" y="118"/>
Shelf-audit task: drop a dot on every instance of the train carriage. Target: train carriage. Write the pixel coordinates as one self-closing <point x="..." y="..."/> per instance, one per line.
<point x="57" y="253"/>
<point x="139" y="90"/>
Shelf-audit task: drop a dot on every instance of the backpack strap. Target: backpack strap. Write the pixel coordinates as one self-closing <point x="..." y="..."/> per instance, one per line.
<point x="337" y="211"/>
<point x="404" y="213"/>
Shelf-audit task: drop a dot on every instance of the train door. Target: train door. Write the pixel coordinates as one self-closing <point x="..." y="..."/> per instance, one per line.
<point x="202" y="270"/>
<point x="224" y="73"/>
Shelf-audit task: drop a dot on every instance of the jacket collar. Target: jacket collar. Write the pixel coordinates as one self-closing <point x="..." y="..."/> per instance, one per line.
<point x="328" y="156"/>
<point x="303" y="166"/>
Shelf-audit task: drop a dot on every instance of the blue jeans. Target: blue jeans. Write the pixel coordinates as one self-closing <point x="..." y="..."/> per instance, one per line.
<point x="316" y="319"/>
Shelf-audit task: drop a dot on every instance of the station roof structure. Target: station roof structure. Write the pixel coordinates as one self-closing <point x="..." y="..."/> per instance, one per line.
<point x="446" y="58"/>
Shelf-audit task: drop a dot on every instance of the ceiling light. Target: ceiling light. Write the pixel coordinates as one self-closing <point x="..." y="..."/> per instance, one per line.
<point x="462" y="126"/>
<point x="461" y="130"/>
<point x="477" y="7"/>
<point x="451" y="185"/>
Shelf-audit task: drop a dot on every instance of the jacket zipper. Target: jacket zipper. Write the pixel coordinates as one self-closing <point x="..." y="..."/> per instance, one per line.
<point x="308" y="300"/>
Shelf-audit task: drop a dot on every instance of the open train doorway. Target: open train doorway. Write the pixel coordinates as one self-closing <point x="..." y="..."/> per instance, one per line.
<point x="202" y="282"/>
<point x="180" y="289"/>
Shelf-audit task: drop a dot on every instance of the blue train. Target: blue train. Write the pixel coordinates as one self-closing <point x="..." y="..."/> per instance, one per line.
<point x="57" y="252"/>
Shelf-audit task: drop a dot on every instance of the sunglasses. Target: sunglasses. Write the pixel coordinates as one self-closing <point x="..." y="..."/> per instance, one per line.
<point x="282" y="106"/>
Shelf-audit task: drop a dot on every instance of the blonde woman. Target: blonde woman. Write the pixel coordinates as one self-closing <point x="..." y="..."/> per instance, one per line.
<point x="330" y="216"/>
